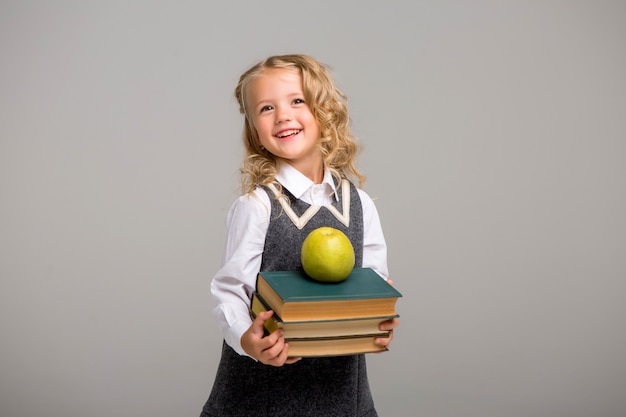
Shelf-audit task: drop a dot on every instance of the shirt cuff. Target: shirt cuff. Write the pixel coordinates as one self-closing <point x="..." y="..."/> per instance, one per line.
<point x="232" y="327"/>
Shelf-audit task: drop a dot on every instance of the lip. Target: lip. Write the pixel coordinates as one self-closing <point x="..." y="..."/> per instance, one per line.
<point x="295" y="133"/>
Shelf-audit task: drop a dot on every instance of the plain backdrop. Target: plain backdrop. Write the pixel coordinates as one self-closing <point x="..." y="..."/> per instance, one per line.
<point x="494" y="136"/>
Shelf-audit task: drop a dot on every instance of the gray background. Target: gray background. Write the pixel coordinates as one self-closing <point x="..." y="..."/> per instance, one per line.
<point x="495" y="144"/>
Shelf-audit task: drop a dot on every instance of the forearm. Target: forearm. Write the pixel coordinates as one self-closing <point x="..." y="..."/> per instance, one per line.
<point x="233" y="284"/>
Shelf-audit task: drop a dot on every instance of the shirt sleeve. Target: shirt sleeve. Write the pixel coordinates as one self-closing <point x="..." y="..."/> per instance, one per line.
<point x="374" y="244"/>
<point x="232" y="286"/>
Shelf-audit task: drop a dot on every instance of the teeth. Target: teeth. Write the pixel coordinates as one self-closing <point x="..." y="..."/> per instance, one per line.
<point x="288" y="133"/>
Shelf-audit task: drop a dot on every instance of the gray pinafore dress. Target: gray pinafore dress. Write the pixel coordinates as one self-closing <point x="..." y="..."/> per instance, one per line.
<point x="313" y="387"/>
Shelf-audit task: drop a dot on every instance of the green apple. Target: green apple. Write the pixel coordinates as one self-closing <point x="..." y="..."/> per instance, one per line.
<point x="327" y="255"/>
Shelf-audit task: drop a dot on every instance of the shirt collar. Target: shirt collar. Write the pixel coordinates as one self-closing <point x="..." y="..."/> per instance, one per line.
<point x="297" y="183"/>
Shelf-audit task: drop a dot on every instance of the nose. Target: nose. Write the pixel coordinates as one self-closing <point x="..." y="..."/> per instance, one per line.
<point x="283" y="115"/>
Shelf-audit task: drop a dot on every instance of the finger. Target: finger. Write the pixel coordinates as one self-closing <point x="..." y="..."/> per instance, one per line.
<point x="285" y="355"/>
<point x="291" y="360"/>
<point x="268" y="344"/>
<point x="384" y="341"/>
<point x="276" y="355"/>
<point x="275" y="345"/>
<point x="389" y="281"/>
<point x="389" y="324"/>
<point x="257" y="327"/>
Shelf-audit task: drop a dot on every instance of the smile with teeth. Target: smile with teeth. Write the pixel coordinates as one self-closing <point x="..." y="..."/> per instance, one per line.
<point x="287" y="133"/>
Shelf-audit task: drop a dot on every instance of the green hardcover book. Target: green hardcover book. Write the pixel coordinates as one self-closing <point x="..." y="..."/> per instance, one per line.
<point x="296" y="297"/>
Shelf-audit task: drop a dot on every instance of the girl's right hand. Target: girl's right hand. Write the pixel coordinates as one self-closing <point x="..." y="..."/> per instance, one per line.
<point x="271" y="349"/>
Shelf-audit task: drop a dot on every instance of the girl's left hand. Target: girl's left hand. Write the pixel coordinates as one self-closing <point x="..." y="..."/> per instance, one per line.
<point x="387" y="325"/>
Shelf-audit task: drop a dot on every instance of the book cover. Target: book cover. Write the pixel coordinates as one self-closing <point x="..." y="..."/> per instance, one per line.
<point x="296" y="286"/>
<point x="296" y="297"/>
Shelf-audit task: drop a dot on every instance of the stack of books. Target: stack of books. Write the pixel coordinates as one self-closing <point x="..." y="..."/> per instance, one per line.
<point x="326" y="319"/>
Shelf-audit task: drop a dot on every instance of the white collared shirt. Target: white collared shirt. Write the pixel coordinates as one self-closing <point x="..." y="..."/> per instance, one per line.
<point x="247" y="222"/>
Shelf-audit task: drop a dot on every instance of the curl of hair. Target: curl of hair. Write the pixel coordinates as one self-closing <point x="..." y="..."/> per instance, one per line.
<point x="328" y="105"/>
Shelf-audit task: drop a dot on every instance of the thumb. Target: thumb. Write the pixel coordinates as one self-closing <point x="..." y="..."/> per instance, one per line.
<point x="257" y="325"/>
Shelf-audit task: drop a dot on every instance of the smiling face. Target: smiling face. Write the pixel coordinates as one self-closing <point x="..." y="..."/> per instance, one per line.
<point x="283" y="121"/>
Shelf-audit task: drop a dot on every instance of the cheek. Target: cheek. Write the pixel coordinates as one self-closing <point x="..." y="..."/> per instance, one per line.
<point x="313" y="123"/>
<point x="262" y="127"/>
<point x="311" y="120"/>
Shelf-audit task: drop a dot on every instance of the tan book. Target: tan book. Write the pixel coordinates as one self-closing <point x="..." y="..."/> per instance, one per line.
<point x="316" y="347"/>
<point x="319" y="328"/>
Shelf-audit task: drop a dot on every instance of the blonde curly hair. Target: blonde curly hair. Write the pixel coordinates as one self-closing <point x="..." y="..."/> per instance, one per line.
<point x="328" y="105"/>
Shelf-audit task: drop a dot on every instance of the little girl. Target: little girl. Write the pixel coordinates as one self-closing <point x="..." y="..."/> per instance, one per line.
<point x="300" y="162"/>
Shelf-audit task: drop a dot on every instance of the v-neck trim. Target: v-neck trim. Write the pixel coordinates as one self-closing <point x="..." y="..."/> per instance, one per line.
<point x="301" y="221"/>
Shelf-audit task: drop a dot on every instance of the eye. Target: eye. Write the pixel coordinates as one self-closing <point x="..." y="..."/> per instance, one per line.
<point x="266" y="108"/>
<point x="298" y="101"/>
